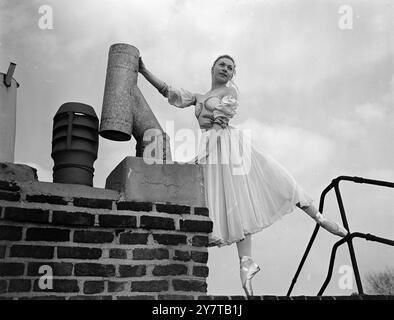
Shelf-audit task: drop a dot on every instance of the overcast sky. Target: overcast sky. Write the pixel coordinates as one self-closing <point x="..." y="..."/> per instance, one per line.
<point x="318" y="98"/>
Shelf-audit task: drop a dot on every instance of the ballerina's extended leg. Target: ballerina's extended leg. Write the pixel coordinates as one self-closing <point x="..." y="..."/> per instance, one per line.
<point x="325" y="223"/>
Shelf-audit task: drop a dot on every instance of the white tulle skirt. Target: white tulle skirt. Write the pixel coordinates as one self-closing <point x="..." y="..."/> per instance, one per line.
<point x="246" y="190"/>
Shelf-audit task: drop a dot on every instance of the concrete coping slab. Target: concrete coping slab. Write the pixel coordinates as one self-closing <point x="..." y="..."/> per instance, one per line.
<point x="27" y="181"/>
<point x="180" y="183"/>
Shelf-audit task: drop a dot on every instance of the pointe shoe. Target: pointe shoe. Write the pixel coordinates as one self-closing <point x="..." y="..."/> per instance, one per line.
<point x="330" y="226"/>
<point x="248" y="269"/>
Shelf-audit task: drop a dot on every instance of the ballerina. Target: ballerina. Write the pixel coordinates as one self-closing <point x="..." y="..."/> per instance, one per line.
<point x="240" y="204"/>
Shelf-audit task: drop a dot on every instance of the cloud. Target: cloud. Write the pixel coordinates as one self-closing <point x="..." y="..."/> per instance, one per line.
<point x="381" y="174"/>
<point x="382" y="22"/>
<point x="388" y="98"/>
<point x="371" y="112"/>
<point x="346" y="130"/>
<point x="360" y="122"/>
<point x="380" y="111"/>
<point x="295" y="147"/>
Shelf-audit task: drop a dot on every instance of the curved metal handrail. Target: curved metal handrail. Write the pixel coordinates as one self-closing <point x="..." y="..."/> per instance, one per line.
<point x="348" y="239"/>
<point x="366" y="236"/>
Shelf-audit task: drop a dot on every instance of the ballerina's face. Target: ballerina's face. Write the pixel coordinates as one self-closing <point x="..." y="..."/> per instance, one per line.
<point x="223" y="70"/>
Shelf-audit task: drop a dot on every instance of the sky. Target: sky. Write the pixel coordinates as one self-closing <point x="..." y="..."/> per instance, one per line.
<point x="316" y="89"/>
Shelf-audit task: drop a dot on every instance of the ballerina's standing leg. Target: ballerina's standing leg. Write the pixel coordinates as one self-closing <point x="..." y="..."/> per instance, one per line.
<point x="248" y="268"/>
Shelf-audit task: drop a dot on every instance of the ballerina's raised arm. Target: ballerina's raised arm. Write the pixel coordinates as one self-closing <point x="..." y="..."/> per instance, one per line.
<point x="179" y="98"/>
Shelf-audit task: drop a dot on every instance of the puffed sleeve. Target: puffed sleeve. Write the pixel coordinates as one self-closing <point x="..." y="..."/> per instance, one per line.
<point x="224" y="111"/>
<point x="180" y="98"/>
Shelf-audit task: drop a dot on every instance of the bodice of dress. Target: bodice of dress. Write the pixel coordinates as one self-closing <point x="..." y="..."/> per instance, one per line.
<point x="204" y="110"/>
<point x="207" y="109"/>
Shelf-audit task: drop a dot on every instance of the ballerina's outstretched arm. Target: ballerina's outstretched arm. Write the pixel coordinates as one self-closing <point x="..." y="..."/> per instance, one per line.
<point x="160" y="85"/>
<point x="179" y="98"/>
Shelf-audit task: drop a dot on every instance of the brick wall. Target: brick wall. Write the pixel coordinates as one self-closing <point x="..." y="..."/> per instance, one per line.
<point x="301" y="298"/>
<point x="98" y="245"/>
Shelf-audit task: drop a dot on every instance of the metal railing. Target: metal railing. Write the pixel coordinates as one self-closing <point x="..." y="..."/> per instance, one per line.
<point x="348" y="239"/>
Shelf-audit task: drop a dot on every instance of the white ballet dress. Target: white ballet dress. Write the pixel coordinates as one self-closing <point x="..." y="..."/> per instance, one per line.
<point x="246" y="190"/>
